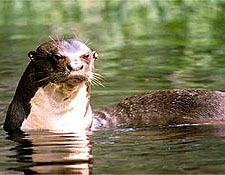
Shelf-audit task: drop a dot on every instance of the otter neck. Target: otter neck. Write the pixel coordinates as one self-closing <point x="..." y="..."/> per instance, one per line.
<point x="60" y="107"/>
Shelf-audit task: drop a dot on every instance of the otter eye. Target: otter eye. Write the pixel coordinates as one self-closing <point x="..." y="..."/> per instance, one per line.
<point x="86" y="56"/>
<point x="57" y="57"/>
<point x="32" y="55"/>
<point x="95" y="55"/>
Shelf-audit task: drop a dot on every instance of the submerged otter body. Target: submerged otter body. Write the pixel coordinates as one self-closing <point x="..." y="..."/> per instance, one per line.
<point x="178" y="107"/>
<point x="54" y="94"/>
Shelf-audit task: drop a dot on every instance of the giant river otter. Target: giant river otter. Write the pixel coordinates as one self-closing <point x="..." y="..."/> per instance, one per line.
<point x="54" y="94"/>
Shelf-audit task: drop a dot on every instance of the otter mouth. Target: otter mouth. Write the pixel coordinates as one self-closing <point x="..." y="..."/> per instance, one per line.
<point x="67" y="78"/>
<point x="90" y="77"/>
<point x="73" y="79"/>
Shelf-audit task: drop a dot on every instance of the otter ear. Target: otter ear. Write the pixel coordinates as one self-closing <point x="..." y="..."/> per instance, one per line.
<point x="95" y="55"/>
<point x="32" y="55"/>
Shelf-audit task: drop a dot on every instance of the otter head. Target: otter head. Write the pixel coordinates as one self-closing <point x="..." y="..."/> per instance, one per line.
<point x="64" y="61"/>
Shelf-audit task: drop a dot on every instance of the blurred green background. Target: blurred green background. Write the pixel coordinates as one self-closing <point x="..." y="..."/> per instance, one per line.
<point x="143" y="45"/>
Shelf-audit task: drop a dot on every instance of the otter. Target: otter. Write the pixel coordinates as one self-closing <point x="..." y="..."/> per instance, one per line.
<point x="54" y="94"/>
<point x="54" y="91"/>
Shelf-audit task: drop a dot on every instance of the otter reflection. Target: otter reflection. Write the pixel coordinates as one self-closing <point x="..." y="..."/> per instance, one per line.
<point x="52" y="153"/>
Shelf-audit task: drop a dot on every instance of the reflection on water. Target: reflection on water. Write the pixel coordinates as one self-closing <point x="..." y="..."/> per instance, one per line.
<point x="184" y="150"/>
<point x="143" y="45"/>
<point x="181" y="150"/>
<point x="49" y="153"/>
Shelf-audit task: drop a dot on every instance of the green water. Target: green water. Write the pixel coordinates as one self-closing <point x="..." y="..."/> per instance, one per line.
<point x="143" y="45"/>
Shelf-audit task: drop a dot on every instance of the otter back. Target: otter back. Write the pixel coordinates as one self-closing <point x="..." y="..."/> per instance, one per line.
<point x="165" y="108"/>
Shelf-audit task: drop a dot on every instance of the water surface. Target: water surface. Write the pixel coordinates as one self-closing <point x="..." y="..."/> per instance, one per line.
<point x="143" y="46"/>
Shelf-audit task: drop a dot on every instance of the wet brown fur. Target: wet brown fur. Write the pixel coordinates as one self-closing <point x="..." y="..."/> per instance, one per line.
<point x="166" y="108"/>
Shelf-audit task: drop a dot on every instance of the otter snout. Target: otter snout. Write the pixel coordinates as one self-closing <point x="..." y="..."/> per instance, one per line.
<point x="75" y="66"/>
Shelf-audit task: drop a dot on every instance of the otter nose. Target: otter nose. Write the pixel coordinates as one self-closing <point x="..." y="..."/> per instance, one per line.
<point x="76" y="66"/>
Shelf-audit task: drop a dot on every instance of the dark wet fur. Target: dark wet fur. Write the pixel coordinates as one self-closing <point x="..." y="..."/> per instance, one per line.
<point x="41" y="70"/>
<point x="29" y="83"/>
<point x="166" y="108"/>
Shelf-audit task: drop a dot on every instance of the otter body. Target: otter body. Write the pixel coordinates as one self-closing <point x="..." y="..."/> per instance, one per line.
<point x="71" y="114"/>
<point x="54" y="94"/>
<point x="178" y="107"/>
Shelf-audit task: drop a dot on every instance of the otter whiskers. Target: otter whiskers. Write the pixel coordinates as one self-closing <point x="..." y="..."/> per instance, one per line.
<point x="52" y="77"/>
<point x="95" y="79"/>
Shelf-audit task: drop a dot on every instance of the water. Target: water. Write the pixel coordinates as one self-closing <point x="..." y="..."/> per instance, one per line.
<point x="143" y="46"/>
<point x="190" y="150"/>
